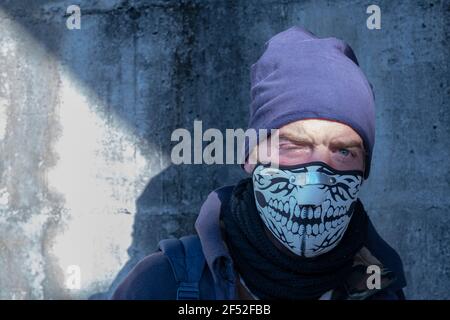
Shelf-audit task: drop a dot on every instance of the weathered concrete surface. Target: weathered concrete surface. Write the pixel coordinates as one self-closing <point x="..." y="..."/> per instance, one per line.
<point x="86" y="117"/>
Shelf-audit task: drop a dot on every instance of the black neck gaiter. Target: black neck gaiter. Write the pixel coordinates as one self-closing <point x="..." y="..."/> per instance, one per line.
<point x="270" y="273"/>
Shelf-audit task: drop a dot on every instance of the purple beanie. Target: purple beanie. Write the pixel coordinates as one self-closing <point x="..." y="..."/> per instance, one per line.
<point x="300" y="76"/>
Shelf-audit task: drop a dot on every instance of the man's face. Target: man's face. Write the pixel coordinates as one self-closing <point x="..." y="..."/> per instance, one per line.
<point x="309" y="220"/>
<point x="310" y="140"/>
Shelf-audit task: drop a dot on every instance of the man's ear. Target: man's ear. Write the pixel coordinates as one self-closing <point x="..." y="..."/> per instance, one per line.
<point x="251" y="160"/>
<point x="364" y="168"/>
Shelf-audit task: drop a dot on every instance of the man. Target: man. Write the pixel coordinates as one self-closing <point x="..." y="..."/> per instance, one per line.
<point x="295" y="229"/>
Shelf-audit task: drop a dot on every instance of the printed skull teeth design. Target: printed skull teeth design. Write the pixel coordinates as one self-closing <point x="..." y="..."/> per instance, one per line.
<point x="309" y="218"/>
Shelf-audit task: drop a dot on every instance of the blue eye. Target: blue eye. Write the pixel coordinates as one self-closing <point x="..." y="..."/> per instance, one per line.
<point x="344" y="152"/>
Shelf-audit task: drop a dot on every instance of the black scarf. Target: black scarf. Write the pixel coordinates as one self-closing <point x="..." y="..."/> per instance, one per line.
<point x="270" y="273"/>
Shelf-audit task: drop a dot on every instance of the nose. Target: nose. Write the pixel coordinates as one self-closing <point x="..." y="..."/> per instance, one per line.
<point x="311" y="195"/>
<point x="312" y="184"/>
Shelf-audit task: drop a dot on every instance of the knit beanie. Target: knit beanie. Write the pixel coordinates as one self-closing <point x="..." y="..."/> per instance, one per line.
<point x="300" y="76"/>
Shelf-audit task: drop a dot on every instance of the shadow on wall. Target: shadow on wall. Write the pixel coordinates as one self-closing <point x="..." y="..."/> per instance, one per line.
<point x="151" y="223"/>
<point x="150" y="226"/>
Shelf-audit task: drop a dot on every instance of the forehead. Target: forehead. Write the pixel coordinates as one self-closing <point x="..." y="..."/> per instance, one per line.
<point x="319" y="129"/>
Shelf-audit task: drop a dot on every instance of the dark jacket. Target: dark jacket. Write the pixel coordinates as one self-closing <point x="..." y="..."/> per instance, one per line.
<point x="152" y="277"/>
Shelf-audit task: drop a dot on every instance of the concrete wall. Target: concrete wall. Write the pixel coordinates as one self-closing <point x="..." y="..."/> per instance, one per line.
<point x="86" y="117"/>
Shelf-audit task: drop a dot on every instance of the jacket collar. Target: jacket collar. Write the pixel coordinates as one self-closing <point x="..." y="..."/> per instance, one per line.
<point x="214" y="249"/>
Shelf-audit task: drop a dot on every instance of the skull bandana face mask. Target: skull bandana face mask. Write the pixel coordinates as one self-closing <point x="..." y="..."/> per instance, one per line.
<point x="306" y="207"/>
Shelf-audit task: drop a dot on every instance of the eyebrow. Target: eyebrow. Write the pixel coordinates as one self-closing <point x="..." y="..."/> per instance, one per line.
<point x="343" y="143"/>
<point x="296" y="138"/>
<point x="336" y="143"/>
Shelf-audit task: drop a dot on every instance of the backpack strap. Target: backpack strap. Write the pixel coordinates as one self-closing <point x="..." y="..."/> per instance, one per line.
<point x="186" y="258"/>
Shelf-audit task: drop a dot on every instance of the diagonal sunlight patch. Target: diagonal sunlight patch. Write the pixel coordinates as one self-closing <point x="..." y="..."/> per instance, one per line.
<point x="100" y="173"/>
